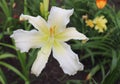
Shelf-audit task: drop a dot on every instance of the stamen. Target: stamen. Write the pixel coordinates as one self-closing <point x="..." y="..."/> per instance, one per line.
<point x="52" y="31"/>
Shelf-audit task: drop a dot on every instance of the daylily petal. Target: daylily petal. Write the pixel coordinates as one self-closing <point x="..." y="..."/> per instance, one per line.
<point x="24" y="40"/>
<point x="70" y="33"/>
<point x="38" y="22"/>
<point x="68" y="60"/>
<point x="41" y="60"/>
<point x="59" y="17"/>
<point x="100" y="23"/>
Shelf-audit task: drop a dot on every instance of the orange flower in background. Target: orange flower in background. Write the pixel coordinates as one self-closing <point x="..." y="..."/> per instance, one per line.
<point x="101" y="3"/>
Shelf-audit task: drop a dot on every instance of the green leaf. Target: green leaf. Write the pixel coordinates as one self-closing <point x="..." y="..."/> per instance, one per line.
<point x="1" y="36"/>
<point x="114" y="60"/>
<point x="3" y="79"/>
<point x="93" y="71"/>
<point x="74" y="82"/>
<point x="14" y="70"/>
<point x="91" y="55"/>
<point x="7" y="55"/>
<point x="8" y="45"/>
<point x="31" y="58"/>
<point x="113" y="76"/>
<point x="5" y="8"/>
<point x="22" y="59"/>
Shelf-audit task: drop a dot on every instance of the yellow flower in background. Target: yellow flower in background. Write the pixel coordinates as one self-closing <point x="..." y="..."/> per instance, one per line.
<point x="100" y="23"/>
<point x="50" y="36"/>
<point x="89" y="23"/>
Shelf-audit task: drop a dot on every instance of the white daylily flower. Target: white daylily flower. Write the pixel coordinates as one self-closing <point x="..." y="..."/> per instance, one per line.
<point x="50" y="36"/>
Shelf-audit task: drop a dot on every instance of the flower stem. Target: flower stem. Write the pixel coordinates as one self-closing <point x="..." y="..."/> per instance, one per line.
<point x="22" y="59"/>
<point x="25" y="12"/>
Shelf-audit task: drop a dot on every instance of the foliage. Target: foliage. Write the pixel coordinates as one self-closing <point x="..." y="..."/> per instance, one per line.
<point x="101" y="52"/>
